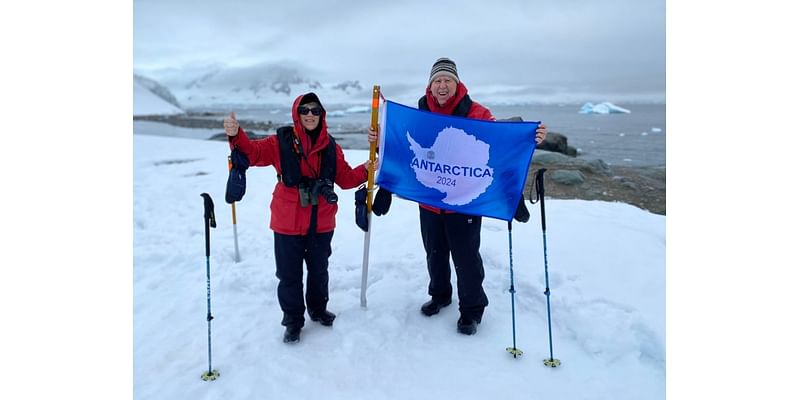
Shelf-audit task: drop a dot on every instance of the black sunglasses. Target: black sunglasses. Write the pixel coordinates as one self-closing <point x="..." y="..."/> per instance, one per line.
<point x="303" y="110"/>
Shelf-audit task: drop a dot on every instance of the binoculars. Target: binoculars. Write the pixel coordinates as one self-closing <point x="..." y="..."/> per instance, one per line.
<point x="310" y="190"/>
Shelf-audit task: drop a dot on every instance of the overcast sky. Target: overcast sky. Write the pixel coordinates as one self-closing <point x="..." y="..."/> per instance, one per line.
<point x="548" y="47"/>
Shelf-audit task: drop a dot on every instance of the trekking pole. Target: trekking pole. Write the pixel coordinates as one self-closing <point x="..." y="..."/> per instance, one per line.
<point x="233" y="211"/>
<point x="210" y="222"/>
<point x="550" y="362"/>
<point x="513" y="349"/>
<point x="376" y="93"/>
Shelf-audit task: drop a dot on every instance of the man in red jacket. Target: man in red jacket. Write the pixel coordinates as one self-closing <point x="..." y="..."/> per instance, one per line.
<point x="447" y="233"/>
<point x="303" y="208"/>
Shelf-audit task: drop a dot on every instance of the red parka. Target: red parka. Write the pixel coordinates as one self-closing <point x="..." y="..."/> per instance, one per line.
<point x="476" y="111"/>
<point x="287" y="216"/>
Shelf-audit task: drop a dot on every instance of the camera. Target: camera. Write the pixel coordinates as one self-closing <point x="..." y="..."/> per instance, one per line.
<point x="323" y="187"/>
<point x="309" y="190"/>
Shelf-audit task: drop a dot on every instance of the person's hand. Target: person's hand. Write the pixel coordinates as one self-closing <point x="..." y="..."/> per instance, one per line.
<point x="372" y="136"/>
<point x="374" y="165"/>
<point x="541" y="133"/>
<point x="231" y="124"/>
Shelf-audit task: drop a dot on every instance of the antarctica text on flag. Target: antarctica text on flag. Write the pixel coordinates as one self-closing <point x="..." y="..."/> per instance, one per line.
<point x="465" y="165"/>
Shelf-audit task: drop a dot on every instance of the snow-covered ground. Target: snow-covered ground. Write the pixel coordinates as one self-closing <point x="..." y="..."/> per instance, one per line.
<point x="607" y="277"/>
<point x="141" y="127"/>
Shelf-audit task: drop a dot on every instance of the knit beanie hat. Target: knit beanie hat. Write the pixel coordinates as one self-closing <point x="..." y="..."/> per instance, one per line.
<point x="444" y="66"/>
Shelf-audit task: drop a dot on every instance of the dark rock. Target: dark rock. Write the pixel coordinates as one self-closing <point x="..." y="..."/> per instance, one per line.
<point x="567" y="177"/>
<point x="559" y="161"/>
<point x="643" y="187"/>
<point x="223" y="137"/>
<point x="558" y="143"/>
<point x="204" y="121"/>
<point x="599" y="166"/>
<point x="630" y="185"/>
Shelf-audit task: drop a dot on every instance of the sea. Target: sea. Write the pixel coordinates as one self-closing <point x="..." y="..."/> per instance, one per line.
<point x="636" y="139"/>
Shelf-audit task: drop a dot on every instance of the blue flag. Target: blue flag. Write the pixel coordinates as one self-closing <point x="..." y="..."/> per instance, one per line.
<point x="465" y="165"/>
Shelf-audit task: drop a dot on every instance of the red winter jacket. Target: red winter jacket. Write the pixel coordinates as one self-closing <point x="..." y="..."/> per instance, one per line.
<point x="287" y="216"/>
<point x="476" y="111"/>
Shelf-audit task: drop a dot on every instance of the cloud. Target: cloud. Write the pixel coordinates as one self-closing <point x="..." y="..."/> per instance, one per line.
<point x="614" y="45"/>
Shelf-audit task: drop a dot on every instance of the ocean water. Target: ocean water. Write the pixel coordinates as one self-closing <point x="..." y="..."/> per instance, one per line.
<point x="635" y="139"/>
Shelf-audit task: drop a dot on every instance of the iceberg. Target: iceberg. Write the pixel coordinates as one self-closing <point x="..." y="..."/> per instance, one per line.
<point x="603" y="108"/>
<point x="349" y="110"/>
<point x="358" y="109"/>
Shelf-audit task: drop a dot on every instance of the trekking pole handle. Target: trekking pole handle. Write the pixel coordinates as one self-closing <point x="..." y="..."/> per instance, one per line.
<point x="210" y="221"/>
<point x="539" y="182"/>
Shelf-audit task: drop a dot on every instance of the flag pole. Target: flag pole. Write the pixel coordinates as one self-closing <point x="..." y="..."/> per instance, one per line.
<point x="233" y="211"/>
<point x="376" y="93"/>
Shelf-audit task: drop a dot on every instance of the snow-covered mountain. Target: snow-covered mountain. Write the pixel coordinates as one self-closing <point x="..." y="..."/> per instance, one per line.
<point x="157" y="89"/>
<point x="277" y="84"/>
<point x="266" y="83"/>
<point x="155" y="101"/>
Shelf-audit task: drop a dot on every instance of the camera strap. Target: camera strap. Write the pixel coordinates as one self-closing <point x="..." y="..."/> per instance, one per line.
<point x="298" y="150"/>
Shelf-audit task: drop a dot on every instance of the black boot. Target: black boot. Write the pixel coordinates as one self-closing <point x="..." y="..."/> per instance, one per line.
<point x="324" y="317"/>
<point x="432" y="307"/>
<point x="292" y="334"/>
<point x="467" y="326"/>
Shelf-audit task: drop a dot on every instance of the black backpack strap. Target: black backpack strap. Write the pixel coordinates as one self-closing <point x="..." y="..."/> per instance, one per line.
<point x="290" y="159"/>
<point x="422" y="104"/>
<point x="328" y="168"/>
<point x="462" y="109"/>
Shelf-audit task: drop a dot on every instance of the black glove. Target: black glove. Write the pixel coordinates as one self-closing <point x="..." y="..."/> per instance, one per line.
<point x="361" y="208"/>
<point x="522" y="214"/>
<point x="234" y="191"/>
<point x="383" y="200"/>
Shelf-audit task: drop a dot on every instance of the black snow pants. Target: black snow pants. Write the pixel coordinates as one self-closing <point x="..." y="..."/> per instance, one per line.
<point x="290" y="252"/>
<point x="458" y="235"/>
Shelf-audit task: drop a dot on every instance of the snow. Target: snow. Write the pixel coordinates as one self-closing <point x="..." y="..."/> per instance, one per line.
<point x="146" y="102"/>
<point x="163" y="129"/>
<point x="607" y="278"/>
<point x="603" y="108"/>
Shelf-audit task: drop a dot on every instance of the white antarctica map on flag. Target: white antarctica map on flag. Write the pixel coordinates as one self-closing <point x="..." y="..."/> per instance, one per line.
<point x="456" y="164"/>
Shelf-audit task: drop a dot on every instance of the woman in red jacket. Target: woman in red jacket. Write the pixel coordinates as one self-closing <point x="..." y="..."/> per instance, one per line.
<point x="303" y="208"/>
